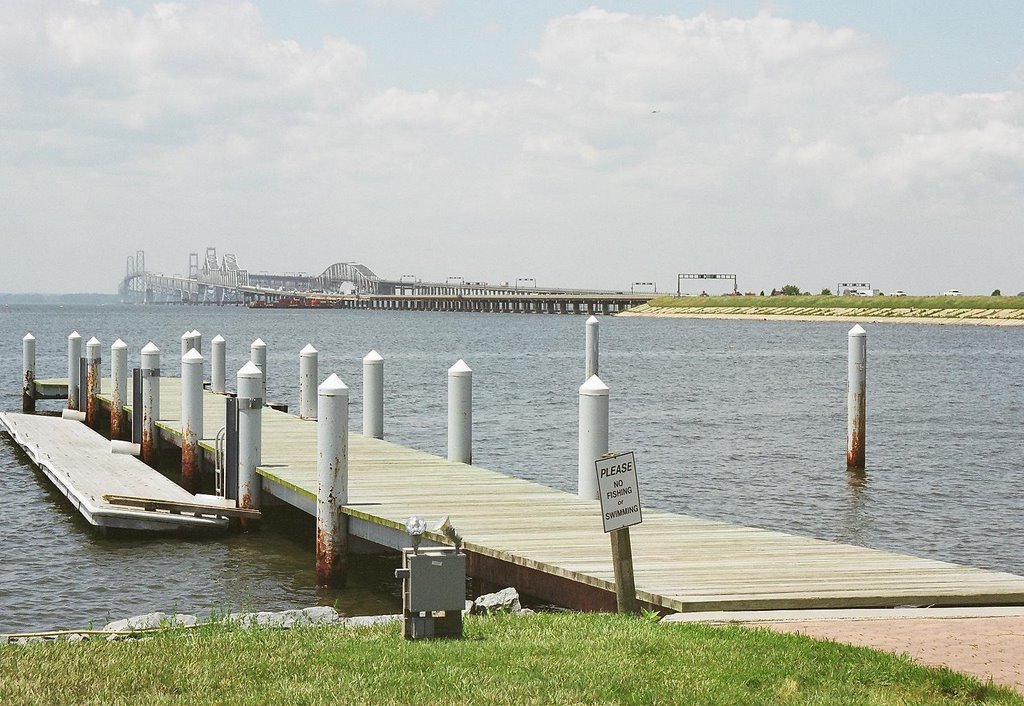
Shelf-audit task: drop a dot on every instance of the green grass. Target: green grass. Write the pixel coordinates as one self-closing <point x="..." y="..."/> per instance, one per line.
<point x="546" y="658"/>
<point x="820" y="301"/>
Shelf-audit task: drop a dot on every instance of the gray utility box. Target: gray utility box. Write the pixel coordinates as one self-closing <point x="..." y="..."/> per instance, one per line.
<point x="433" y="592"/>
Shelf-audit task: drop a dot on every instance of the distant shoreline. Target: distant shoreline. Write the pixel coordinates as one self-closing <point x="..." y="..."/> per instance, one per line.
<point x="961" y="317"/>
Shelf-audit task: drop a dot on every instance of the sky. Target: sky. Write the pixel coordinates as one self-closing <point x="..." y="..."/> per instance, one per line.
<point x="579" y="144"/>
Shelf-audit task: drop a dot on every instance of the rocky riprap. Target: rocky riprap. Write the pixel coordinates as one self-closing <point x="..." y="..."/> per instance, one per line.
<point x="138" y="626"/>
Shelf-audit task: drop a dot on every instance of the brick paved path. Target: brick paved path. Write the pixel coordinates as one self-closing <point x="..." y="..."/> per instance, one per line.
<point x="985" y="642"/>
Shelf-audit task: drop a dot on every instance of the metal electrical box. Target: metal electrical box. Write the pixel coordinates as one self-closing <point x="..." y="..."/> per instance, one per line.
<point x="433" y="592"/>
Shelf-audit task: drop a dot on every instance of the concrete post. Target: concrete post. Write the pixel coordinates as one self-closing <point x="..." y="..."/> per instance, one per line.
<point x="74" y="371"/>
<point x="593" y="435"/>
<point x="332" y="483"/>
<point x="191" y="418"/>
<point x="460" y="413"/>
<point x="217" y="365"/>
<point x="250" y="427"/>
<point x="92" y="380"/>
<point x="593" y="347"/>
<point x="373" y="395"/>
<point x="150" y="400"/>
<point x="856" y="400"/>
<point x="28" y="374"/>
<point x="258" y="356"/>
<point x="197" y="341"/>
<point x="119" y="387"/>
<point x="308" y="364"/>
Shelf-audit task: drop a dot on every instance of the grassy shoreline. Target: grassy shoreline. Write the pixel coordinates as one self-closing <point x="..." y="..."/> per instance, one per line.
<point x="997" y="311"/>
<point x="543" y="658"/>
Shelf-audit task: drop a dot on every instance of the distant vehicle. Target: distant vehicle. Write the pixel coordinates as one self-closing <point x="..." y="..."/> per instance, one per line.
<point x="951" y="293"/>
<point x="898" y="293"/>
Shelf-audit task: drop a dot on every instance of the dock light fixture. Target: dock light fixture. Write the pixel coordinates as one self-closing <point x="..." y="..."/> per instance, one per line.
<point x="446" y="528"/>
<point x="416" y="526"/>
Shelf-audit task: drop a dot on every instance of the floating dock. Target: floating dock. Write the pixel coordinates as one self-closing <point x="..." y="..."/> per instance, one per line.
<point x="550" y="544"/>
<point x="111" y="491"/>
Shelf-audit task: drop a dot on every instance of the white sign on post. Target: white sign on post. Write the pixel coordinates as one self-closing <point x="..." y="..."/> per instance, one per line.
<point x="620" y="492"/>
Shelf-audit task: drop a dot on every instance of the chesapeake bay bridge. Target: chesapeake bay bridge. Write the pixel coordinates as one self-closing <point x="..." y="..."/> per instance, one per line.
<point x="347" y="285"/>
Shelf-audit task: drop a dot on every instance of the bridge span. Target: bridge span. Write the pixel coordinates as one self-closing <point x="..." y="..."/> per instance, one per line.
<point x="348" y="285"/>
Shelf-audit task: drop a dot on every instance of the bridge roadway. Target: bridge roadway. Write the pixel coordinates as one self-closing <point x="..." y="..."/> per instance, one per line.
<point x="550" y="544"/>
<point x="355" y="286"/>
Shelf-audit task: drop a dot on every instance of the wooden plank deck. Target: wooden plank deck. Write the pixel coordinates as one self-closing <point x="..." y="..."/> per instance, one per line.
<point x="78" y="462"/>
<point x="682" y="563"/>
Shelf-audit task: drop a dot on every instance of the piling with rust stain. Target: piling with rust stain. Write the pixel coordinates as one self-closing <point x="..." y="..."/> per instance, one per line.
<point x="150" y="400"/>
<point x="92" y="381"/>
<point x="857" y="369"/>
<point x="191" y="418"/>
<point x="118" y="387"/>
<point x="250" y="426"/>
<point x="332" y="483"/>
<point x="28" y="374"/>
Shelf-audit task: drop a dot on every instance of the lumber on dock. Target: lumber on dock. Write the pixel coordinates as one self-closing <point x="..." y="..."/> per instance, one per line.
<point x="551" y="544"/>
<point x="79" y="463"/>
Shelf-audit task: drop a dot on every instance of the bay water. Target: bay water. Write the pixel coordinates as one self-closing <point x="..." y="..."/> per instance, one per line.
<point x="742" y="421"/>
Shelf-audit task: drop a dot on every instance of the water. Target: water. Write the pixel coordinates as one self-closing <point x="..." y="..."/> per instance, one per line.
<point x="743" y="421"/>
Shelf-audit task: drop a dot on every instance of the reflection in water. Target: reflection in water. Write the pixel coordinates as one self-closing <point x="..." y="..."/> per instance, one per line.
<point x="855" y="521"/>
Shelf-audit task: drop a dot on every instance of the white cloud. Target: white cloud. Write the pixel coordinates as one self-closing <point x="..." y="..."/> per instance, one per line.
<point x="666" y="142"/>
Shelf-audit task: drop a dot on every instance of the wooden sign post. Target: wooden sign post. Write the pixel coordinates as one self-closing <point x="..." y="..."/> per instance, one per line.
<point x="620" y="509"/>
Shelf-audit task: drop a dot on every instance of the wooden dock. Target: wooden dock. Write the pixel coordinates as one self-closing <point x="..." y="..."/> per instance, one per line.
<point x="550" y="544"/>
<point x="79" y="463"/>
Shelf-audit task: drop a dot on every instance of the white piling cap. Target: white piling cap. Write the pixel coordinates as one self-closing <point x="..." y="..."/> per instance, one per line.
<point x="150" y="348"/>
<point x="460" y="368"/>
<point x="857" y="330"/>
<point x="93" y="342"/>
<point x="118" y="344"/>
<point x="74" y="334"/>
<point x="594" y="386"/>
<point x="218" y="339"/>
<point x="258" y="343"/>
<point x="187" y="335"/>
<point x="592" y="320"/>
<point x="333" y="387"/>
<point x="194" y="332"/>
<point x="249" y="370"/>
<point x="373" y="357"/>
<point x="193" y="356"/>
<point x="308" y="350"/>
<point x="29" y="337"/>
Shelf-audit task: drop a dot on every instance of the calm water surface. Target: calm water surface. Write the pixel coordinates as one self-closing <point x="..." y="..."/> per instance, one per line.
<point x="743" y="421"/>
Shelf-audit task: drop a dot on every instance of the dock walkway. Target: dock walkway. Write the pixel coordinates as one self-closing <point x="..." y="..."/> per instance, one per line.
<point x="550" y="543"/>
<point x="79" y="463"/>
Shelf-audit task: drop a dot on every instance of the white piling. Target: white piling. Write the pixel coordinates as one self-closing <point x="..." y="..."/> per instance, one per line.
<point x="28" y="374"/>
<point x="332" y="482"/>
<point x="258" y="356"/>
<point x="593" y="347"/>
<point x="93" y="357"/>
<point x="119" y="446"/>
<point x="460" y="413"/>
<point x="191" y="418"/>
<point x="150" y="400"/>
<point x="250" y="425"/>
<point x="856" y="400"/>
<point x="197" y="341"/>
<point x="217" y="365"/>
<point x="373" y="395"/>
<point x="186" y="343"/>
<point x="593" y="435"/>
<point x="118" y="387"/>
<point x="74" y="371"/>
<point x="308" y="364"/>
